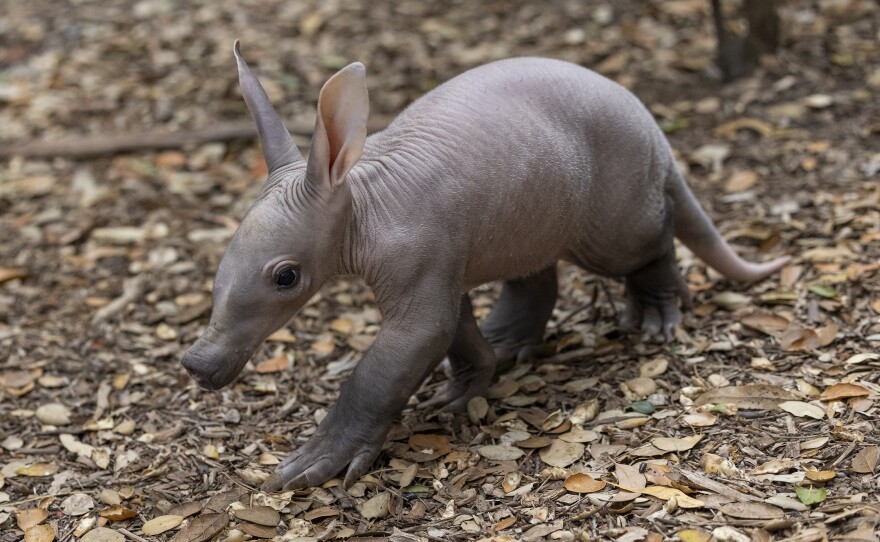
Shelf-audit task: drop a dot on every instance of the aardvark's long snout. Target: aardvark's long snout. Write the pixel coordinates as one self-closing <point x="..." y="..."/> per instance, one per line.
<point x="213" y="364"/>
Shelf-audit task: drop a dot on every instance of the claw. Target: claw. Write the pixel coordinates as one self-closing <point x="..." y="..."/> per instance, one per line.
<point x="272" y="484"/>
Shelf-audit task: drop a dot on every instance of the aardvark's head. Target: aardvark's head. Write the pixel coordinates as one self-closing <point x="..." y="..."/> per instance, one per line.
<point x="291" y="240"/>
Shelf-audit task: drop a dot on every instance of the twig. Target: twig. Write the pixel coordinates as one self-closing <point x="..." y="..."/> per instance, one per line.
<point x="101" y="145"/>
<point x="131" y="290"/>
<point x="132" y="535"/>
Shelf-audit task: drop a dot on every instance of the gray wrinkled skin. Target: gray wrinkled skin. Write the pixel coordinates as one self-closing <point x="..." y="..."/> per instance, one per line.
<point x="494" y="175"/>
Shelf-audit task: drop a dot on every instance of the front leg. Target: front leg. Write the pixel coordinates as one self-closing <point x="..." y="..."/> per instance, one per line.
<point x="417" y="330"/>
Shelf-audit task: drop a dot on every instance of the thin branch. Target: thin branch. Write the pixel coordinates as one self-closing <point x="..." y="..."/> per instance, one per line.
<point x="103" y="145"/>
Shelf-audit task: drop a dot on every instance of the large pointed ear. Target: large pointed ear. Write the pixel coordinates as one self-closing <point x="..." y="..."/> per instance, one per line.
<point x="278" y="147"/>
<point x="341" y="126"/>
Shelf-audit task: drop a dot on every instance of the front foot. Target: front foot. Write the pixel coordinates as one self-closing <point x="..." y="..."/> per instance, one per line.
<point x="325" y="455"/>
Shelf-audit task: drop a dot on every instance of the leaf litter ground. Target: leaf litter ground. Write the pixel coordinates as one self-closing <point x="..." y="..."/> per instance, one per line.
<point x="759" y="422"/>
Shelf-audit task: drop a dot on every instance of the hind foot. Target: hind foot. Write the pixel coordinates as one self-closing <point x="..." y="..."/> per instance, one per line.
<point x="472" y="361"/>
<point x="517" y="322"/>
<point x="652" y="298"/>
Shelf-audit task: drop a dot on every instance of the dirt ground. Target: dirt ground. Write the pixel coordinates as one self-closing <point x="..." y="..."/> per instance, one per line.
<point x="759" y="422"/>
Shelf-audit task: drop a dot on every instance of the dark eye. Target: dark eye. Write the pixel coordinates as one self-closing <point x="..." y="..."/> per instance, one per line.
<point x="286" y="278"/>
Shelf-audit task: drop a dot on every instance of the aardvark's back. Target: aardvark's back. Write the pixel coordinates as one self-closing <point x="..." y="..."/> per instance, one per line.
<point x="523" y="161"/>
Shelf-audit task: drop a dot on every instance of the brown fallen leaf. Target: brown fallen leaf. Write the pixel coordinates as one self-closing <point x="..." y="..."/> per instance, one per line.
<point x="752" y="510"/>
<point x="117" y="513"/>
<point x="377" y="506"/>
<point x="261" y="515"/>
<point x="749" y="396"/>
<point x="668" y="444"/>
<point x="534" y="442"/>
<point x="629" y="476"/>
<point x="217" y="502"/>
<point x="260" y="532"/>
<point x="820" y="475"/>
<point x="694" y="535"/>
<point x="40" y="533"/>
<point x="273" y="365"/>
<point x="161" y="524"/>
<point x="740" y="181"/>
<point x="511" y="481"/>
<point x="865" y="462"/>
<point x="11" y="273"/>
<point x="38" y="470"/>
<point x="185" y="509"/>
<point x="583" y="483"/>
<point x="102" y="534"/>
<point x="700" y="419"/>
<point x="323" y="512"/>
<point x="498" y="452"/>
<point x="202" y="528"/>
<point x="798" y="339"/>
<point x="429" y="443"/>
<point x="843" y="390"/>
<point x="770" y="324"/>
<point x="282" y="336"/>
<point x="729" y="129"/>
<point x="561" y="453"/>
<point x="505" y="523"/>
<point x="30" y="517"/>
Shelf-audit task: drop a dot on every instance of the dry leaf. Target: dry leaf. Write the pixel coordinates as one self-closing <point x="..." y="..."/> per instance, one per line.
<point x="752" y="510"/>
<point x="103" y="534"/>
<point x="187" y="509"/>
<point x="39" y="533"/>
<point x="161" y="524"/>
<point x="561" y="453"/>
<point x="498" y="452"/>
<point x="53" y="414"/>
<point x="320" y="513"/>
<point x="653" y="368"/>
<point x="534" y="442"/>
<point x="261" y="515"/>
<point x="749" y="396"/>
<point x="666" y="493"/>
<point x="202" y="528"/>
<point x="740" y="181"/>
<point x="29" y="517"/>
<point x="798" y="339"/>
<point x="771" y="324"/>
<point x="843" y="391"/>
<point x="803" y="410"/>
<point x="377" y="506"/>
<point x="11" y="273"/>
<point x="282" y="336"/>
<point x="700" y="419"/>
<point x="273" y="365"/>
<point x="117" y="513"/>
<point x="694" y="535"/>
<point x="583" y="483"/>
<point x="579" y="434"/>
<point x="668" y="444"/>
<point x="430" y="444"/>
<point x="629" y="476"/>
<point x="511" y="481"/>
<point x="865" y="462"/>
<point x="77" y="504"/>
<point x="820" y="475"/>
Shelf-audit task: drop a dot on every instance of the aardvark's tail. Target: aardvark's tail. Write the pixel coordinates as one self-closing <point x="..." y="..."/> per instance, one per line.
<point x="697" y="232"/>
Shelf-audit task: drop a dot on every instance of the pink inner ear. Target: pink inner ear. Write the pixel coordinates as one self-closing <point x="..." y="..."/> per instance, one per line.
<point x="343" y="108"/>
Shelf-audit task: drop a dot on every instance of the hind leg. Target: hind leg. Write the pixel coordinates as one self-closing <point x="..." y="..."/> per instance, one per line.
<point x="516" y="324"/>
<point x="472" y="361"/>
<point x="652" y="294"/>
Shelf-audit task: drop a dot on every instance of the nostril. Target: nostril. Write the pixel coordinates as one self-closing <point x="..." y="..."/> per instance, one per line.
<point x="191" y="363"/>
